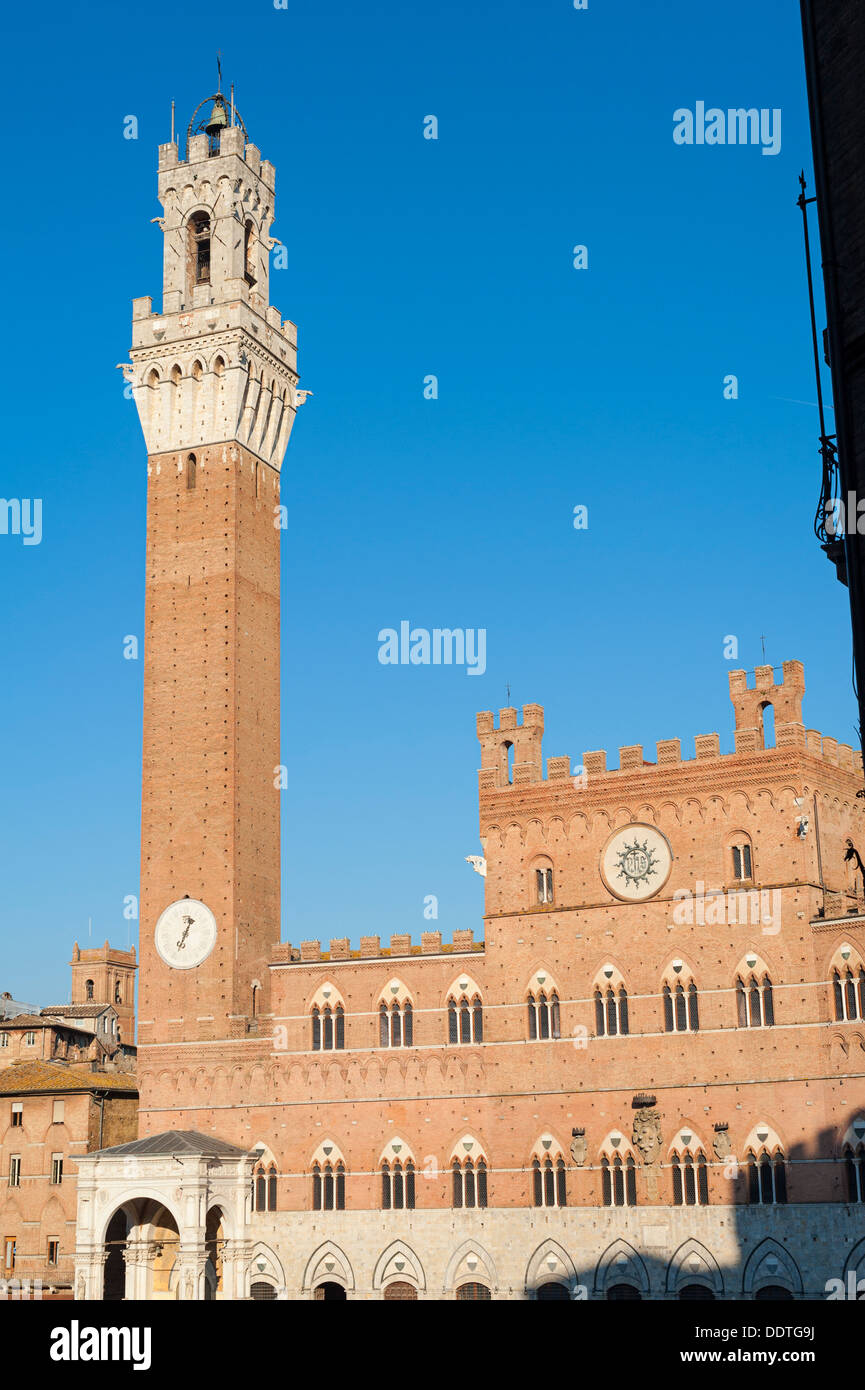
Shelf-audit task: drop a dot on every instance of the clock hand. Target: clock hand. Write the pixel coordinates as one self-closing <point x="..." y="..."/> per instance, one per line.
<point x="181" y="945"/>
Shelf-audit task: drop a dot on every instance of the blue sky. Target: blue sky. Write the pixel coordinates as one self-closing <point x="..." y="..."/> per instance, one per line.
<point x="557" y="387"/>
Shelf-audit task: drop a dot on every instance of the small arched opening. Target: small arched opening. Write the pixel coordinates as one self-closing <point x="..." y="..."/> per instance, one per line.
<point x="262" y="1292"/>
<point x="552" y="1292"/>
<point x="329" y="1292"/>
<point x="400" y="1292"/>
<point x="767" y="723"/>
<point x="198" y="250"/>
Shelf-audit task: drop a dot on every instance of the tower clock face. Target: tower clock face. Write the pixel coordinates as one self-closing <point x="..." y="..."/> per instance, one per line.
<point x="636" y="862"/>
<point x="185" y="934"/>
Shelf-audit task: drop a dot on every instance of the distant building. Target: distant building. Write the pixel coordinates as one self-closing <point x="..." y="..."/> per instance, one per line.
<point x="106" y="975"/>
<point x="67" y="1087"/>
<point x="50" y="1114"/>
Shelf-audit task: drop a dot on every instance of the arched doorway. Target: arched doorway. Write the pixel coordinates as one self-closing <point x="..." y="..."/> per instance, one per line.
<point x="694" y="1293"/>
<point x="623" y="1293"/>
<point x="330" y="1292"/>
<point x="772" y="1292"/>
<point x="149" y="1228"/>
<point x="262" y="1292"/>
<point x="400" y="1292"/>
<point x="114" y="1276"/>
<point x="473" y="1293"/>
<point x="552" y="1293"/>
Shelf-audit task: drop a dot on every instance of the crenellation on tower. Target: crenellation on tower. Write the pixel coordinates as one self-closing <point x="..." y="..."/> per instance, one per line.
<point x="498" y="741"/>
<point x="631" y="757"/>
<point x="668" y="751"/>
<point x="707" y="746"/>
<point x="751" y="702"/>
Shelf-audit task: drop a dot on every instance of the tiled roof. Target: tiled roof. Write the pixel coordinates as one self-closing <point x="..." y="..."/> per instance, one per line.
<point x="52" y="1076"/>
<point x="181" y="1141"/>
<point x="76" y="1010"/>
<point x="33" y="1021"/>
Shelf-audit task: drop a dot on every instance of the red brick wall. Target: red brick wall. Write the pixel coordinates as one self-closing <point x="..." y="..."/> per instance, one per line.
<point x="210" y="810"/>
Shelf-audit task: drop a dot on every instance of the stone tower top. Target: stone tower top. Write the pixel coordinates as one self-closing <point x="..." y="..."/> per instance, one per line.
<point x="218" y="364"/>
<point x="218" y="202"/>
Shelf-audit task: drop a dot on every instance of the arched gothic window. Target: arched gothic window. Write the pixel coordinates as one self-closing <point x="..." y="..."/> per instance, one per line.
<point x="469" y="1180"/>
<point x="742" y="867"/>
<point x="854" y="1163"/>
<point x="395" y="1024"/>
<point x="465" y="1020"/>
<point x="619" y="1181"/>
<point x="848" y="990"/>
<point x="549" y="1182"/>
<point x="755" y="1003"/>
<point x="681" y="1008"/>
<point x="611" y="1011"/>
<point x="767" y="1178"/>
<point x="690" y="1179"/>
<point x="543" y="1015"/>
<point x="397" y="1185"/>
<point x="328" y="1028"/>
<point x="89" y="989"/>
<point x="328" y="1186"/>
<point x="191" y="469"/>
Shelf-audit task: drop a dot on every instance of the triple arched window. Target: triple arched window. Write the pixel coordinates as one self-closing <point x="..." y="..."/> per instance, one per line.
<point x="395" y="1023"/>
<point x="681" y="1008"/>
<point x="690" y="1180"/>
<point x="549" y="1182"/>
<point x="465" y="1019"/>
<point x="611" y="1011"/>
<point x="619" y="1181"/>
<point x="264" y="1188"/>
<point x="397" y="1185"/>
<point x="543" y="1015"/>
<point x="848" y="990"/>
<point x="328" y="1028"/>
<point x="767" y="1178"/>
<point x="469" y="1180"/>
<point x="755" y="1003"/>
<point x="328" y="1186"/>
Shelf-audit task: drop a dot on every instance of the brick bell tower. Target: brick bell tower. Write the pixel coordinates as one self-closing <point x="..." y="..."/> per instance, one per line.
<point x="214" y="379"/>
